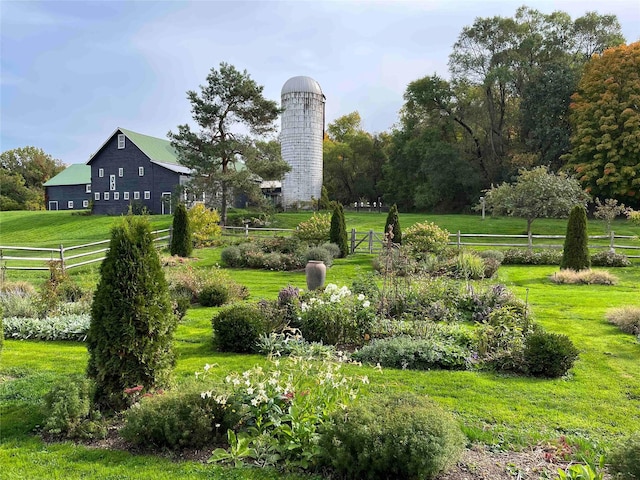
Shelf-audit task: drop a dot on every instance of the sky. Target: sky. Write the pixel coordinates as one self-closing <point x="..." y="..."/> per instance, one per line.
<point x="71" y="72"/>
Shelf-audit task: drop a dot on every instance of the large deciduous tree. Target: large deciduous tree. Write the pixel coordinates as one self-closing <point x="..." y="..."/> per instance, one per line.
<point x="536" y="193"/>
<point x="22" y="173"/>
<point x="605" y="115"/>
<point x="230" y="103"/>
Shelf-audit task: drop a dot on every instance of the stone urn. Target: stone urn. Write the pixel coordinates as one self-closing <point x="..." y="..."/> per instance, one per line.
<point x="316" y="271"/>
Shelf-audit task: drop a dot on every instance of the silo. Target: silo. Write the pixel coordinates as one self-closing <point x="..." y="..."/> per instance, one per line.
<point x="301" y="135"/>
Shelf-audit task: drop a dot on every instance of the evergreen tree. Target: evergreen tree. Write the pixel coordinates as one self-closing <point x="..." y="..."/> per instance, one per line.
<point x="338" y="231"/>
<point x="324" y="203"/>
<point x="394" y="221"/>
<point x="576" y="250"/>
<point x="181" y="243"/>
<point x="132" y="324"/>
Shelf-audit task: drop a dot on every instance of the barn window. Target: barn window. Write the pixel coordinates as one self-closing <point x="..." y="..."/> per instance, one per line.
<point x="116" y="195"/>
<point x="121" y="172"/>
<point x="147" y="195"/>
<point x="120" y="141"/>
<point x="112" y="182"/>
<point x="105" y="195"/>
<point x="141" y="171"/>
<point x="125" y="195"/>
<point x="85" y="203"/>
<point x="136" y="195"/>
<point x="87" y="188"/>
<point x="96" y="196"/>
<point x="101" y="172"/>
<point x="70" y="204"/>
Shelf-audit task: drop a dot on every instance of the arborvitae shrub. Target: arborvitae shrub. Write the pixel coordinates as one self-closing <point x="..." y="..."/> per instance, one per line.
<point x="181" y="243"/>
<point x="338" y="231"/>
<point x="576" y="243"/>
<point x="324" y="203"/>
<point x="132" y="322"/>
<point x="404" y="437"/>
<point x="549" y="355"/>
<point x="394" y="221"/>
<point x="213" y="295"/>
<point x="237" y="328"/>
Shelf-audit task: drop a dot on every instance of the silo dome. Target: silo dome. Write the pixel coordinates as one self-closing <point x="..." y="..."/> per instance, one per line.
<point x="301" y="138"/>
<point x="301" y="84"/>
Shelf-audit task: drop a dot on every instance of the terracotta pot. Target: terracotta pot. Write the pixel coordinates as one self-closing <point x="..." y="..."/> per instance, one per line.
<point x="316" y="271"/>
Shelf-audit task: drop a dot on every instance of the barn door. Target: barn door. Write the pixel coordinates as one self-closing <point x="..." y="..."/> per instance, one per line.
<point x="166" y="203"/>
<point x="53" y="205"/>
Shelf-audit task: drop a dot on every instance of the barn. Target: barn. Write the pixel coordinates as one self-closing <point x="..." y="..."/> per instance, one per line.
<point x="70" y="189"/>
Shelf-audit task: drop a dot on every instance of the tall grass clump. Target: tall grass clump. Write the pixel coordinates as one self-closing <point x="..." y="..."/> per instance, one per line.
<point x="132" y="323"/>
<point x="627" y="318"/>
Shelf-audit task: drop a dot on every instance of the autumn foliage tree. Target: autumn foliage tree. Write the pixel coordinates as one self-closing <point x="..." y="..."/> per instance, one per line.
<point x="605" y="116"/>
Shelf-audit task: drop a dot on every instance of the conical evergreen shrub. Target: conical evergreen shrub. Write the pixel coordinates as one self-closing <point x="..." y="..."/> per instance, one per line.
<point x="394" y="221"/>
<point x="324" y="203"/>
<point x="132" y="324"/>
<point x="338" y="231"/>
<point x="576" y="243"/>
<point x="181" y="242"/>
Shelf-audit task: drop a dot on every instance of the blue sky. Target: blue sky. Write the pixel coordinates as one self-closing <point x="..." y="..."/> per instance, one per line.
<point x="72" y="72"/>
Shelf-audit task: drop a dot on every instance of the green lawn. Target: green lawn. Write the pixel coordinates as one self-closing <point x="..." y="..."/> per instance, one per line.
<point x="595" y="405"/>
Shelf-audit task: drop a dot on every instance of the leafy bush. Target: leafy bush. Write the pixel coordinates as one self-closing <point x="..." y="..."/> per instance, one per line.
<point x="627" y="318"/>
<point x="476" y="304"/>
<point x="491" y="266"/>
<point x="68" y="327"/>
<point x="237" y="328"/>
<point x="19" y="302"/>
<point x="436" y="351"/>
<point x="367" y="285"/>
<point x="523" y="256"/>
<point x="607" y="258"/>
<point x="549" y="355"/>
<point x="186" y="280"/>
<point x="575" y="255"/>
<point x="468" y="266"/>
<point x="332" y="248"/>
<point x="69" y="412"/>
<point x="176" y="419"/>
<point x="205" y="225"/>
<point x="315" y="230"/>
<point x="335" y="316"/>
<point x="180" y="302"/>
<point x="291" y="343"/>
<point x="426" y="237"/>
<point x="588" y="277"/>
<point x="232" y="257"/>
<point x="181" y="242"/>
<point x="624" y="460"/>
<point x="318" y="253"/>
<point x="404" y="437"/>
<point x="214" y="295"/>
<point x="495" y="254"/>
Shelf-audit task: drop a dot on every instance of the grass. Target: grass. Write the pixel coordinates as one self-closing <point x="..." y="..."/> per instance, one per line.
<point x="598" y="403"/>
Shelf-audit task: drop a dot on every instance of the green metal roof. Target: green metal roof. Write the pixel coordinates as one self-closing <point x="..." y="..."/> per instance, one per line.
<point x="74" y="174"/>
<point x="156" y="149"/>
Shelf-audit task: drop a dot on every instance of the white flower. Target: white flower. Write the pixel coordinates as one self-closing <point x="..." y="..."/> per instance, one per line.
<point x="335" y="298"/>
<point x="366" y="304"/>
<point x="250" y="390"/>
<point x="361" y="297"/>
<point x="365" y="380"/>
<point x="254" y="402"/>
<point x="206" y="394"/>
<point x="207" y="367"/>
<point x="332" y="287"/>
<point x="304" y="307"/>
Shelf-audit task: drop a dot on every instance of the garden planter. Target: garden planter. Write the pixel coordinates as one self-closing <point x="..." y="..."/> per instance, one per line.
<point x="316" y="272"/>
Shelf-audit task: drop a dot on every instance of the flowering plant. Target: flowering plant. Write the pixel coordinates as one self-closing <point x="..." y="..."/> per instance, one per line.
<point x="336" y="316"/>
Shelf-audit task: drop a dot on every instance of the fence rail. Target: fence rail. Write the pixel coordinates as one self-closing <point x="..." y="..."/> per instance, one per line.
<point x="46" y="255"/>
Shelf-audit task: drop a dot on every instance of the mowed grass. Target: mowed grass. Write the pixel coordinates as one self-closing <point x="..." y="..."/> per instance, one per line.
<point x="598" y="403"/>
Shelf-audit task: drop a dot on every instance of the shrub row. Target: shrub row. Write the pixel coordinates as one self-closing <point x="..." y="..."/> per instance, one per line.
<point x="69" y="327"/>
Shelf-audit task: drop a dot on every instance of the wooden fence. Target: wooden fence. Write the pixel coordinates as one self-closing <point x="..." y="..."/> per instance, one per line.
<point x="21" y="258"/>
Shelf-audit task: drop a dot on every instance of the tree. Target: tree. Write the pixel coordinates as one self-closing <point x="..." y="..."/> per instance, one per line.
<point x="394" y="222"/>
<point x="324" y="203"/>
<point x="608" y="211"/>
<point x="132" y="324"/>
<point x="606" y="120"/>
<point x="181" y="242"/>
<point x="230" y="99"/>
<point x="22" y="173"/>
<point x="338" y="230"/>
<point x="536" y="193"/>
<point x="575" y="255"/>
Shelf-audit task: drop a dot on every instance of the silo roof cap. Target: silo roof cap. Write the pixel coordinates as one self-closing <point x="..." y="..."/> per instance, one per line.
<point x="301" y="84"/>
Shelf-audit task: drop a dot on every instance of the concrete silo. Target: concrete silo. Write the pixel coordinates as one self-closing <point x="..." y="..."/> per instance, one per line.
<point x="301" y="140"/>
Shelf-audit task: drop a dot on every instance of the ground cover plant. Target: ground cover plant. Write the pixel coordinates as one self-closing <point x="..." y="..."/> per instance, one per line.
<point x="591" y="407"/>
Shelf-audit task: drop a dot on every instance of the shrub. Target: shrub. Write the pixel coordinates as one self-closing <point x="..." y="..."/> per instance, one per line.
<point x="190" y="281"/>
<point x="181" y="242"/>
<point x="232" y="257"/>
<point x="468" y="266"/>
<point x="180" y="302"/>
<point x="436" y="351"/>
<point x="501" y="339"/>
<point x="426" y="237"/>
<point x="494" y="254"/>
<point x="205" y="225"/>
<point x="607" y="258"/>
<point x="549" y="355"/>
<point x="132" y="322"/>
<point x="67" y="327"/>
<point x="318" y="253"/>
<point x="491" y="266"/>
<point x="175" y="420"/>
<point x="404" y="437"/>
<point x="523" y="256"/>
<point x="18" y="302"/>
<point x="589" y="277"/>
<point x="338" y="230"/>
<point x="237" y="328"/>
<point x="332" y="248"/>
<point x="214" y="295"/>
<point x="367" y="285"/>
<point x="575" y="255"/>
<point x="68" y="411"/>
<point x="624" y="459"/>
<point x="315" y="230"/>
<point x="393" y="221"/>
<point x="627" y="318"/>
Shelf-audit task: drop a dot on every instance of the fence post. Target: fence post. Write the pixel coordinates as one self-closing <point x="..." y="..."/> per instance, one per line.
<point x="530" y="240"/>
<point x="353" y="240"/>
<point x="370" y="241"/>
<point x="612" y="237"/>
<point x="246" y="230"/>
<point x="458" y="241"/>
<point x="62" y="257"/>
